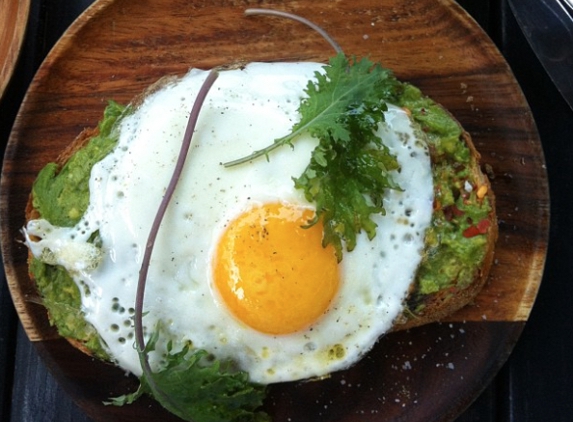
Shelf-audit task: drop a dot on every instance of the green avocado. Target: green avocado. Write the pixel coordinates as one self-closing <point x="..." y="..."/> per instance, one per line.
<point x="455" y="242"/>
<point x="61" y="197"/>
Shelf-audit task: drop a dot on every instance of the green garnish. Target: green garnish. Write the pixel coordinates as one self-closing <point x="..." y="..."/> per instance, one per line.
<point x="350" y="168"/>
<point x="195" y="387"/>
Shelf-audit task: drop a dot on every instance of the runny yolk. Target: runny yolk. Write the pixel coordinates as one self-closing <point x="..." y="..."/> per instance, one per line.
<point x="273" y="274"/>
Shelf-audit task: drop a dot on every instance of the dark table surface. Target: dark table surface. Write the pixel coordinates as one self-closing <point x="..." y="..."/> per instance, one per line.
<point x="536" y="383"/>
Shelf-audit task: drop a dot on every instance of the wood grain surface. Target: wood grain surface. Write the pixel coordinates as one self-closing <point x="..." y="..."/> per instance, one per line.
<point x="118" y="47"/>
<point x="13" y="19"/>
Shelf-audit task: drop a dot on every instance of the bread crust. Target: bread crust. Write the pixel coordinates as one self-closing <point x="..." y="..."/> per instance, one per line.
<point x="436" y="306"/>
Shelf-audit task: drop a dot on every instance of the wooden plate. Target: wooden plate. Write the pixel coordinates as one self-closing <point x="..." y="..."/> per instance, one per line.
<point x="13" y="21"/>
<point x="118" y="47"/>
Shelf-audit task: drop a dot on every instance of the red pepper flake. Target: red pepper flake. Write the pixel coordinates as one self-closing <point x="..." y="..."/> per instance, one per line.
<point x="457" y="212"/>
<point x="479" y="228"/>
<point x="483" y="225"/>
<point x="452" y="211"/>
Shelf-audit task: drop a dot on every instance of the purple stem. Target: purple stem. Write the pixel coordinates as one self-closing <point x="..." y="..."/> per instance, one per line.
<point x="138" y="317"/>
<point x="278" y="13"/>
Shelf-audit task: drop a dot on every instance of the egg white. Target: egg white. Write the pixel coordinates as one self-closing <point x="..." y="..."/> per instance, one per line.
<point x="245" y="110"/>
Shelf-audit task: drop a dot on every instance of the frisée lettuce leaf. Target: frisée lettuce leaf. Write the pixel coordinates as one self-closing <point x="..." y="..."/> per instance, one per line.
<point x="196" y="387"/>
<point x="351" y="168"/>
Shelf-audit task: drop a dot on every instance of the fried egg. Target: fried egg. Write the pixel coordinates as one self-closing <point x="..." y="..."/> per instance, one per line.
<point x="233" y="271"/>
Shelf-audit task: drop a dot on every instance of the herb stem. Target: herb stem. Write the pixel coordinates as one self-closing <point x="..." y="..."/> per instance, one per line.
<point x="288" y="138"/>
<point x="138" y="316"/>
<point x="259" y="153"/>
<point x="281" y="14"/>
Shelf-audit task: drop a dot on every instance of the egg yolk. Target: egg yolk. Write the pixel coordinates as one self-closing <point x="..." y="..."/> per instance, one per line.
<point x="273" y="274"/>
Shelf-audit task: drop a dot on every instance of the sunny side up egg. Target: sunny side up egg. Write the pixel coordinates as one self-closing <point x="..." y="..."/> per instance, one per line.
<point x="232" y="270"/>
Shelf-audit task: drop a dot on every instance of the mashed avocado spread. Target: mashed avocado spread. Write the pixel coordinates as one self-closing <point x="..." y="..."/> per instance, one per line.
<point x="455" y="242"/>
<point x="61" y="196"/>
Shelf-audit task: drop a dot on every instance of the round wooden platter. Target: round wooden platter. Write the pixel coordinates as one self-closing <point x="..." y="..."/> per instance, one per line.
<point x="13" y="21"/>
<point x="118" y="47"/>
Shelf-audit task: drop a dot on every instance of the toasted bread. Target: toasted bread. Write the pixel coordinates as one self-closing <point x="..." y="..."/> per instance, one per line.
<point x="419" y="308"/>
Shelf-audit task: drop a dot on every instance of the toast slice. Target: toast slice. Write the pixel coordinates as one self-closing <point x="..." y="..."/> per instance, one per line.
<point x="427" y="301"/>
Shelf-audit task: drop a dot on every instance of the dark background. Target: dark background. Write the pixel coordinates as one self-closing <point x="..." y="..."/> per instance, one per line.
<point x="536" y="383"/>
